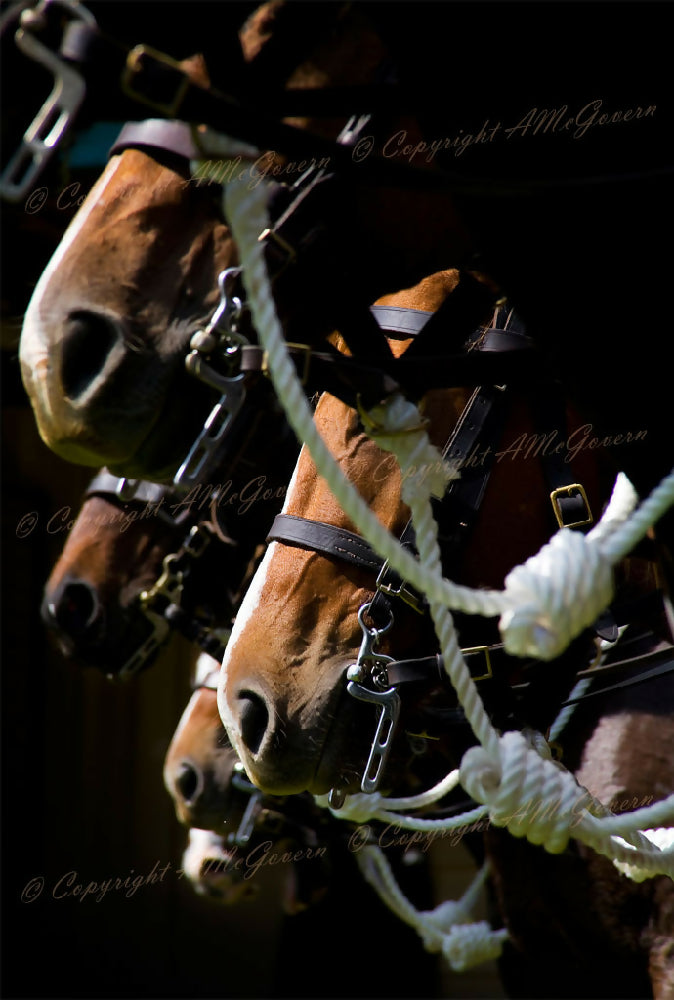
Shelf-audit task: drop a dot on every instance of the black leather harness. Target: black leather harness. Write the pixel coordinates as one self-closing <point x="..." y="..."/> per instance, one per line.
<point x="480" y="425"/>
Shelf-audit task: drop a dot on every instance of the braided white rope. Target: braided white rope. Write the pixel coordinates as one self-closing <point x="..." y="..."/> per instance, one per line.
<point x="447" y="928"/>
<point x="537" y="618"/>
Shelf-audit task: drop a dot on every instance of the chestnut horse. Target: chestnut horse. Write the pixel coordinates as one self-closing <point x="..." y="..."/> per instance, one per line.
<point x="283" y="698"/>
<point x="232" y="825"/>
<point x="103" y="386"/>
<point x="135" y="276"/>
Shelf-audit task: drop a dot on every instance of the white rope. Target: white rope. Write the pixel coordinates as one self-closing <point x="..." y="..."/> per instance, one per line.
<point x="363" y="807"/>
<point x="662" y="838"/>
<point x="246" y="209"/>
<point x="545" y="604"/>
<point x="447" y="928"/>
<point x="537" y="798"/>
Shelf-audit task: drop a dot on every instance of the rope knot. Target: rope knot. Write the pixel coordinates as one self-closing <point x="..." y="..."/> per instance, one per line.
<point x="397" y="426"/>
<point x="468" y="945"/>
<point x="555" y="595"/>
<point x="530" y="795"/>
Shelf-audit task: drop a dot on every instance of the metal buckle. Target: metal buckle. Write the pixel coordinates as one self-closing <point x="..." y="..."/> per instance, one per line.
<point x="566" y="491"/>
<point x="43" y="135"/>
<point x="404" y="592"/>
<point x="139" y="60"/>
<point x="306" y="348"/>
<point x="487" y="658"/>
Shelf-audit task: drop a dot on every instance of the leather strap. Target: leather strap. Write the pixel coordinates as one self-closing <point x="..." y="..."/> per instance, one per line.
<point x="157" y="134"/>
<point x="106" y="485"/>
<point x="400" y="323"/>
<point x="660" y="650"/>
<point x="348" y="378"/>
<point x="317" y="536"/>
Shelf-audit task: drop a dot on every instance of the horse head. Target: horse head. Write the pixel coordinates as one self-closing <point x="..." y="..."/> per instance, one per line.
<point x="232" y="825"/>
<point x="136" y="274"/>
<point x="200" y="761"/>
<point x="282" y="695"/>
<point x="107" y="328"/>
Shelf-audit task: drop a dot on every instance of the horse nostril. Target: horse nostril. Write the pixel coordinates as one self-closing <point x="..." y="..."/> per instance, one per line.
<point x="87" y="341"/>
<point x="253" y="718"/>
<point x="188" y="782"/>
<point x="76" y="609"/>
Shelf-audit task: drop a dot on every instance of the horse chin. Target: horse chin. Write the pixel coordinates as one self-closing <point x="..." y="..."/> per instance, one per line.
<point x="346" y="747"/>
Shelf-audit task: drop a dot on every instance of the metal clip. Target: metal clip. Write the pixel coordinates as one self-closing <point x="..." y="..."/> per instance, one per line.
<point x="43" y="135"/>
<point x="160" y="631"/>
<point x="169" y="584"/>
<point x="230" y="308"/>
<point x="563" y="491"/>
<point x="388" y="703"/>
<point x="403" y="591"/>
<point x="143" y="58"/>
<point x="253" y="807"/>
<point x="216" y="426"/>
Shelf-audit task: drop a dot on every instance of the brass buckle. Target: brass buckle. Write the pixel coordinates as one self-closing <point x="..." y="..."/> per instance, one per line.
<point x="306" y="348"/>
<point x="137" y="61"/>
<point x="404" y="592"/>
<point x="566" y="491"/>
<point x="487" y="658"/>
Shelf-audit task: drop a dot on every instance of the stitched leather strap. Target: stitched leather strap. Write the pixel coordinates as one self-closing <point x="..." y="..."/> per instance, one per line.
<point x="327" y="539"/>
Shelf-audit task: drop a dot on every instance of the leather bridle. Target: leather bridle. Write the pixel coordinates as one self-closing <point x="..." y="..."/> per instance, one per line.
<point x="377" y="679"/>
<point x="166" y="604"/>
